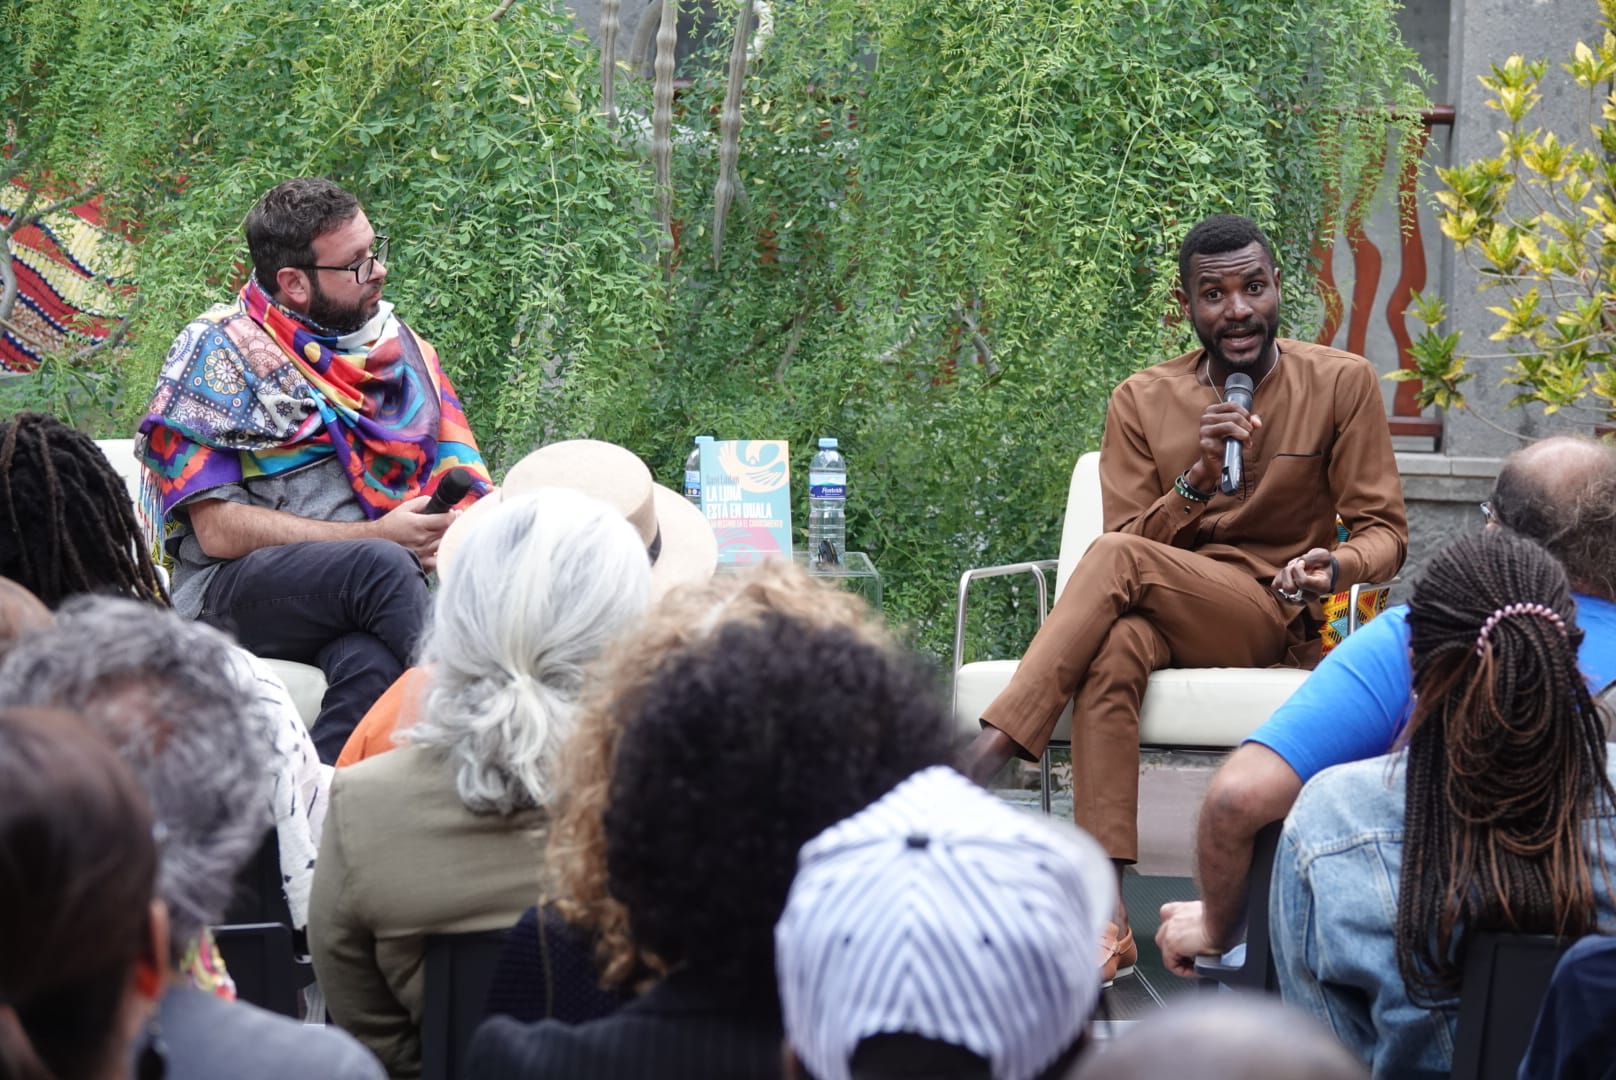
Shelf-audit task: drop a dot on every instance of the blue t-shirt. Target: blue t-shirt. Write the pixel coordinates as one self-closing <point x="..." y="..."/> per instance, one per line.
<point x="1356" y="701"/>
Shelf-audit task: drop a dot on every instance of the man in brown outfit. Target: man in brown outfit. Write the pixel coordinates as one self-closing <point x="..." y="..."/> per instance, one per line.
<point x="1187" y="576"/>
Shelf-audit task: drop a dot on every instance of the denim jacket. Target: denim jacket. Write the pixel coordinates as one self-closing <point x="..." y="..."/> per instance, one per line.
<point x="1333" y="913"/>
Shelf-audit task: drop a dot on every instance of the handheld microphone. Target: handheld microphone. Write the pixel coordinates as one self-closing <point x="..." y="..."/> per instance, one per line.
<point x="1236" y="388"/>
<point x="452" y="487"/>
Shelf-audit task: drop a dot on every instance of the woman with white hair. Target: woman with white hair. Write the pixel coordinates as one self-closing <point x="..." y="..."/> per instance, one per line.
<point x="446" y="833"/>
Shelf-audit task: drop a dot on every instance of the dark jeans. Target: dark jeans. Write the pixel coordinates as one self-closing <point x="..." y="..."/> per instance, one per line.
<point x="353" y="608"/>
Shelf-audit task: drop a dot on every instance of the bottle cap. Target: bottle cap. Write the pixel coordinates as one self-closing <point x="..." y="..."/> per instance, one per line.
<point x="704" y="438"/>
<point x="827" y="444"/>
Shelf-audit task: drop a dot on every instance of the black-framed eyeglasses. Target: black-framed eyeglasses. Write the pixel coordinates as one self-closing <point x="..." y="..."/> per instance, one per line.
<point x="364" y="268"/>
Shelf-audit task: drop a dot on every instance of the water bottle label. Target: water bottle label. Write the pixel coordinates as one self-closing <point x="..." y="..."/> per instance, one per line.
<point x="692" y="484"/>
<point x="827" y="485"/>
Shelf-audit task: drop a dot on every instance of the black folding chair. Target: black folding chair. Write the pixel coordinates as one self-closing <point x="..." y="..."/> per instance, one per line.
<point x="260" y="960"/>
<point x="1257" y="971"/>
<point x="260" y="894"/>
<point x="1506" y="977"/>
<point x="459" y="970"/>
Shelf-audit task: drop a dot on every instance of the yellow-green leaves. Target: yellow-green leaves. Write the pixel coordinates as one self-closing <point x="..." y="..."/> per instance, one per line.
<point x="1514" y="87"/>
<point x="1538" y="222"/>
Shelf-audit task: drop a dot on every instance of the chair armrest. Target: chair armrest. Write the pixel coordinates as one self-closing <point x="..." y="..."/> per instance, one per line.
<point x="1037" y="568"/>
<point x="1353" y="622"/>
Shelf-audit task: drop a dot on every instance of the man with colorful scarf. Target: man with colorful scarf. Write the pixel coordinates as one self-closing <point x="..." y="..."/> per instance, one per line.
<point x="292" y="444"/>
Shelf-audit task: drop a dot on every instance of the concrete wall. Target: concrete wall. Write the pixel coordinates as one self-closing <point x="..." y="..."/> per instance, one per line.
<point x="1457" y="41"/>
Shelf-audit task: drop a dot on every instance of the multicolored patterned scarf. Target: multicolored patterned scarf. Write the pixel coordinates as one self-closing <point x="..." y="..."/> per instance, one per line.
<point x="250" y="390"/>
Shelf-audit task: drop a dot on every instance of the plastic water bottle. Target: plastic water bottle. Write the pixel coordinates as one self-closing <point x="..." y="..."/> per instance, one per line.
<point x="693" y="472"/>
<point x="827" y="505"/>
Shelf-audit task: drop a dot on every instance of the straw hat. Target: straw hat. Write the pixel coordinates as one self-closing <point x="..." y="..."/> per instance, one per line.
<point x="681" y="544"/>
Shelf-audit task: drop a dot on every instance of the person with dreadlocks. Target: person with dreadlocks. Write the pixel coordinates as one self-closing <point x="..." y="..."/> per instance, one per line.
<point x="1496" y="812"/>
<point x="67" y="527"/>
<point x="66" y="523"/>
<point x="1560" y="493"/>
<point x="294" y="439"/>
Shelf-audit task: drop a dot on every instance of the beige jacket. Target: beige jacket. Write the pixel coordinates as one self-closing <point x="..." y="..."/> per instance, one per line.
<point x="402" y="857"/>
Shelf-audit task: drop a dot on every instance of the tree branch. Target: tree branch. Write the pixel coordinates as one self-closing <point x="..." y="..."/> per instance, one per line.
<point x="609" y="23"/>
<point x="114" y="336"/>
<point x="798" y="326"/>
<point x="8" y="281"/>
<point x="499" y="12"/>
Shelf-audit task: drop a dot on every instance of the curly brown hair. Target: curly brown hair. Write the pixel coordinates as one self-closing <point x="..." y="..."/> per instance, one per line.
<point x="576" y="875"/>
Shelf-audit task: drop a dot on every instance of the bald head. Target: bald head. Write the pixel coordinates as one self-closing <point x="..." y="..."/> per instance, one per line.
<point x="1561" y="493"/>
<point x="1235" y="1037"/>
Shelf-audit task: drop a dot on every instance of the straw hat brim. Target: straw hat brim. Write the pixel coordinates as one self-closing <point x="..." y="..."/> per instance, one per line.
<point x="688" y="553"/>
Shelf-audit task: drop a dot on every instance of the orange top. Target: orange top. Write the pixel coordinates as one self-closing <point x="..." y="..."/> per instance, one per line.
<point x="397" y="708"/>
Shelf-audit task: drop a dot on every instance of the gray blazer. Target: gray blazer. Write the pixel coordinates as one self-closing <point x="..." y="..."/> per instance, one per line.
<point x="207" y="1037"/>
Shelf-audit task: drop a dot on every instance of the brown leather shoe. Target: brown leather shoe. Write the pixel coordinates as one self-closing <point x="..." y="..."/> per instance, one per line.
<point x="1118" y="956"/>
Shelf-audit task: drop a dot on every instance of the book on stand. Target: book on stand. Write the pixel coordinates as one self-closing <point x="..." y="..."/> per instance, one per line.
<point x="746" y="495"/>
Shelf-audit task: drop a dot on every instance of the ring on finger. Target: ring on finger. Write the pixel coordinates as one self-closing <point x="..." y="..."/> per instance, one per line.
<point x="1291" y="596"/>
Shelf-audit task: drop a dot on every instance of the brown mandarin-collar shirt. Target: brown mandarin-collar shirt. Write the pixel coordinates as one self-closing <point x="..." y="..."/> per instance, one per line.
<point x="1324" y="449"/>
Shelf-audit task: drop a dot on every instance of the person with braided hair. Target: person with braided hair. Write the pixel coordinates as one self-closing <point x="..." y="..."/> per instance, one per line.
<point x="1497" y="811"/>
<point x="66" y="523"/>
<point x="67" y="527"/>
<point x="1560" y="493"/>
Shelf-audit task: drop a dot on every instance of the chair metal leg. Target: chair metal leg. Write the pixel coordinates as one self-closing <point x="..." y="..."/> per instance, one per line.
<point x="1044" y="781"/>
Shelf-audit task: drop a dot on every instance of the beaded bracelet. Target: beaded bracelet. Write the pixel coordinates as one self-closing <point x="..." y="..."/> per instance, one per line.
<point x="1182" y="486"/>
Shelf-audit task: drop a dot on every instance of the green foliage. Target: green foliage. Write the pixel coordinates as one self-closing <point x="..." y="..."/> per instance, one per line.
<point x="1538" y="222"/>
<point x="516" y="218"/>
<point x="954" y="228"/>
<point x="957" y="230"/>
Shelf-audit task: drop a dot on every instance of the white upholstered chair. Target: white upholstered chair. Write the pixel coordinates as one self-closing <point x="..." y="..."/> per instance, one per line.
<point x="1192" y="708"/>
<point x="305" y="682"/>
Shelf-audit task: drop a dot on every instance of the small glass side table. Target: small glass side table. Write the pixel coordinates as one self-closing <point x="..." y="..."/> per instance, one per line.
<point x="856" y="573"/>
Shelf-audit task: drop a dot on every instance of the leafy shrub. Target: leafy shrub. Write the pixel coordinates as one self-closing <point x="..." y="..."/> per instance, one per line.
<point x="955" y="226"/>
<point x="1538" y="223"/>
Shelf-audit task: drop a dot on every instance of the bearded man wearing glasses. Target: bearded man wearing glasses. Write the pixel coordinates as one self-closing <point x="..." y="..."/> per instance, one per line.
<point x="292" y="446"/>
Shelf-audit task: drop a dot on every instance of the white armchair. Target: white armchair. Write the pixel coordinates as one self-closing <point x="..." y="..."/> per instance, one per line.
<point x="1195" y="708"/>
<point x="305" y="682"/>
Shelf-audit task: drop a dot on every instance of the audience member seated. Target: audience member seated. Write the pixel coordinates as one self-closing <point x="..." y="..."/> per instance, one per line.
<point x="1227" y="1037"/>
<point x="68" y="528"/>
<point x="21" y="614"/>
<point x="741" y="732"/>
<point x="82" y="942"/>
<point x="1575" y="1035"/>
<point x="168" y="694"/>
<point x="1561" y="493"/>
<point x="942" y="929"/>
<point x="681" y="545"/>
<point x="1497" y="814"/>
<point x="446" y="834"/>
<point x="574" y="960"/>
<point x="66" y="523"/>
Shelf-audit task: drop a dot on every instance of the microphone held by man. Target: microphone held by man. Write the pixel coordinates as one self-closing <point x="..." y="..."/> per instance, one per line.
<point x="452" y="487"/>
<point x="1237" y="389"/>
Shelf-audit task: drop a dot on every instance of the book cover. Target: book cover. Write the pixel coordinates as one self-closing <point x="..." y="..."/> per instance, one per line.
<point x="746" y="495"/>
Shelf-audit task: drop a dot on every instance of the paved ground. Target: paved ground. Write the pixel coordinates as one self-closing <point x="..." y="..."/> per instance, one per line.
<point x="1170" y="790"/>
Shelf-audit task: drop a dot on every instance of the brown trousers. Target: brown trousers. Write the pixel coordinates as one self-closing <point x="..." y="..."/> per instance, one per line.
<point x="1131" y="606"/>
